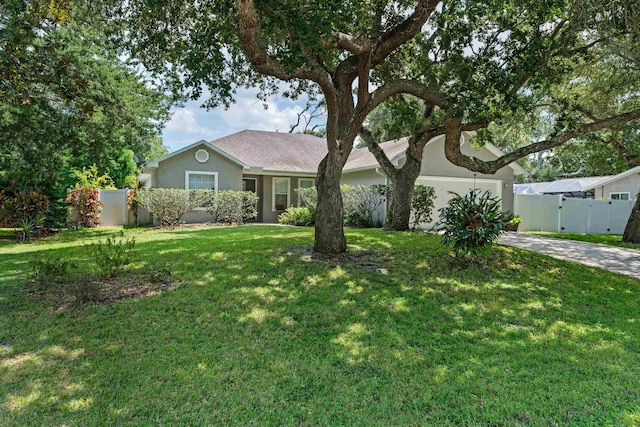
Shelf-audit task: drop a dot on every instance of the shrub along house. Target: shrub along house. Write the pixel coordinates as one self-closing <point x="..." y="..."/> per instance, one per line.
<point x="273" y="165"/>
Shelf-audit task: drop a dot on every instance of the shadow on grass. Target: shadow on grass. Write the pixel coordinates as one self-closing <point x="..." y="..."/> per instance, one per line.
<point x="261" y="332"/>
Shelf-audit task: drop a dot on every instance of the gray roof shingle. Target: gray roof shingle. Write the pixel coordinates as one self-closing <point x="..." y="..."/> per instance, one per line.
<point x="275" y="151"/>
<point x="290" y="152"/>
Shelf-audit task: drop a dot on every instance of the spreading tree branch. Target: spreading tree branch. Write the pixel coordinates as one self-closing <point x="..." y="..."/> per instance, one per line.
<point x="378" y="153"/>
<point x="453" y="128"/>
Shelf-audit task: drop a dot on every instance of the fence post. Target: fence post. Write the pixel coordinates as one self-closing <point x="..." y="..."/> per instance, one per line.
<point x="125" y="208"/>
<point x="560" y="200"/>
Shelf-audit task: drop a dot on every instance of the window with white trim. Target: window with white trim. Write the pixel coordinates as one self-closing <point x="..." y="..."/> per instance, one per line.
<point x="281" y="188"/>
<point x="619" y="196"/>
<point x="201" y="181"/>
<point x="305" y="183"/>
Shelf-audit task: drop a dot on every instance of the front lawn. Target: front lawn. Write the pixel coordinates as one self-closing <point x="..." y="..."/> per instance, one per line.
<point x="603" y="239"/>
<point x="261" y="332"/>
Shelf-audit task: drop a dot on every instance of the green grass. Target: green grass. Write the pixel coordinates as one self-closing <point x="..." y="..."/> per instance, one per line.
<point x="259" y="333"/>
<point x="603" y="239"/>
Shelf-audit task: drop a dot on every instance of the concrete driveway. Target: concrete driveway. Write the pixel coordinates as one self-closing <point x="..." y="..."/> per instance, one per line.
<point x="611" y="258"/>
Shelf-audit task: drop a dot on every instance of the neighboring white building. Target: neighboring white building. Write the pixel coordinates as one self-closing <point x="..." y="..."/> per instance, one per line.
<point x="623" y="186"/>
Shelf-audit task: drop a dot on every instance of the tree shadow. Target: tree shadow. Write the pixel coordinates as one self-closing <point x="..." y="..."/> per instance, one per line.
<point x="393" y="333"/>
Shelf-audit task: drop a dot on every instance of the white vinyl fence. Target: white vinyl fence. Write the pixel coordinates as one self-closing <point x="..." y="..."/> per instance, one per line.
<point x="116" y="209"/>
<point x="559" y="214"/>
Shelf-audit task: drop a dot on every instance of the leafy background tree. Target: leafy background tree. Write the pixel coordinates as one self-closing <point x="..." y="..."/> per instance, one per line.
<point x="69" y="102"/>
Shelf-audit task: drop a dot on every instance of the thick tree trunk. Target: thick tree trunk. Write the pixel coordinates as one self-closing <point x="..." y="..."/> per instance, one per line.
<point x="632" y="230"/>
<point x="329" y="237"/>
<point x="399" y="211"/>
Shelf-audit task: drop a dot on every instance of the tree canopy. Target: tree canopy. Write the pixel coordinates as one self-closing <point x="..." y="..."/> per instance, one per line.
<point x="69" y="101"/>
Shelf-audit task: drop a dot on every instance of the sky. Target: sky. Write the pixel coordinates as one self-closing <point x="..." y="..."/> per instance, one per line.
<point x="192" y="123"/>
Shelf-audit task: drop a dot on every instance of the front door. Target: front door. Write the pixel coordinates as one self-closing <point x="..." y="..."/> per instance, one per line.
<point x="251" y="184"/>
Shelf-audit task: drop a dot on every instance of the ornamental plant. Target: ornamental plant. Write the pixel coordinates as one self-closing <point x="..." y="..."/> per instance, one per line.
<point x="422" y="205"/>
<point x="112" y="255"/>
<point x="360" y="202"/>
<point x="422" y="202"/>
<point x="85" y="207"/>
<point x="308" y="196"/>
<point x="302" y="216"/>
<point x="233" y="207"/>
<point x="49" y="269"/>
<point x="168" y="205"/>
<point x="23" y="208"/>
<point x="473" y="222"/>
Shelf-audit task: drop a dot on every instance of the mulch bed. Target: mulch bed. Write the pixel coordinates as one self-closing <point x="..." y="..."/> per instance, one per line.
<point x="102" y="291"/>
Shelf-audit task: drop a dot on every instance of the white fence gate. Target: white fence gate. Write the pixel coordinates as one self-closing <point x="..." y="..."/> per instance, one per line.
<point x="116" y="209"/>
<point x="559" y="214"/>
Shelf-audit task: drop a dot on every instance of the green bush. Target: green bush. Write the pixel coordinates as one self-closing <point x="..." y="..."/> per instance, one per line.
<point x="300" y="216"/>
<point x="113" y="255"/>
<point x="46" y="270"/>
<point x="308" y="196"/>
<point x="168" y="205"/>
<point x="422" y="202"/>
<point x="24" y="210"/>
<point x="234" y="207"/>
<point x="359" y="204"/>
<point x="473" y="222"/>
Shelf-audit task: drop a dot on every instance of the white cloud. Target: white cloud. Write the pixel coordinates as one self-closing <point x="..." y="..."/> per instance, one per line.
<point x="249" y="113"/>
<point x="186" y="122"/>
<point x="192" y="123"/>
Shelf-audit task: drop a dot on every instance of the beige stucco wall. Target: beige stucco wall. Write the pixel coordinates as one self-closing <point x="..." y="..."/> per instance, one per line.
<point x="367" y="177"/>
<point x="171" y="172"/>
<point x="629" y="184"/>
<point x="435" y="163"/>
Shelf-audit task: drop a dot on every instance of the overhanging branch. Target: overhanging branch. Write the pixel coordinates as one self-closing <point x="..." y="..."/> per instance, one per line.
<point x="454" y="127"/>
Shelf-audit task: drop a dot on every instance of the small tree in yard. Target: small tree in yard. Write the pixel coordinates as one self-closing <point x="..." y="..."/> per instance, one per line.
<point x="473" y="222"/>
<point x="86" y="207"/>
<point x="168" y="205"/>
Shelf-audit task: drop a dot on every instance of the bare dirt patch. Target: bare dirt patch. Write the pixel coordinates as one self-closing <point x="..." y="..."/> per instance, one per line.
<point x="367" y="260"/>
<point x="94" y="290"/>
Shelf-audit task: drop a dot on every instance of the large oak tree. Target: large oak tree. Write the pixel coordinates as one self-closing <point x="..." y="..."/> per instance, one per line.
<point x="498" y="65"/>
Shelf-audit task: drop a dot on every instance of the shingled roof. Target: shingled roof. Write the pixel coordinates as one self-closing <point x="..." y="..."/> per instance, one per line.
<point x="289" y="152"/>
<point x="275" y="151"/>
<point x="361" y="158"/>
